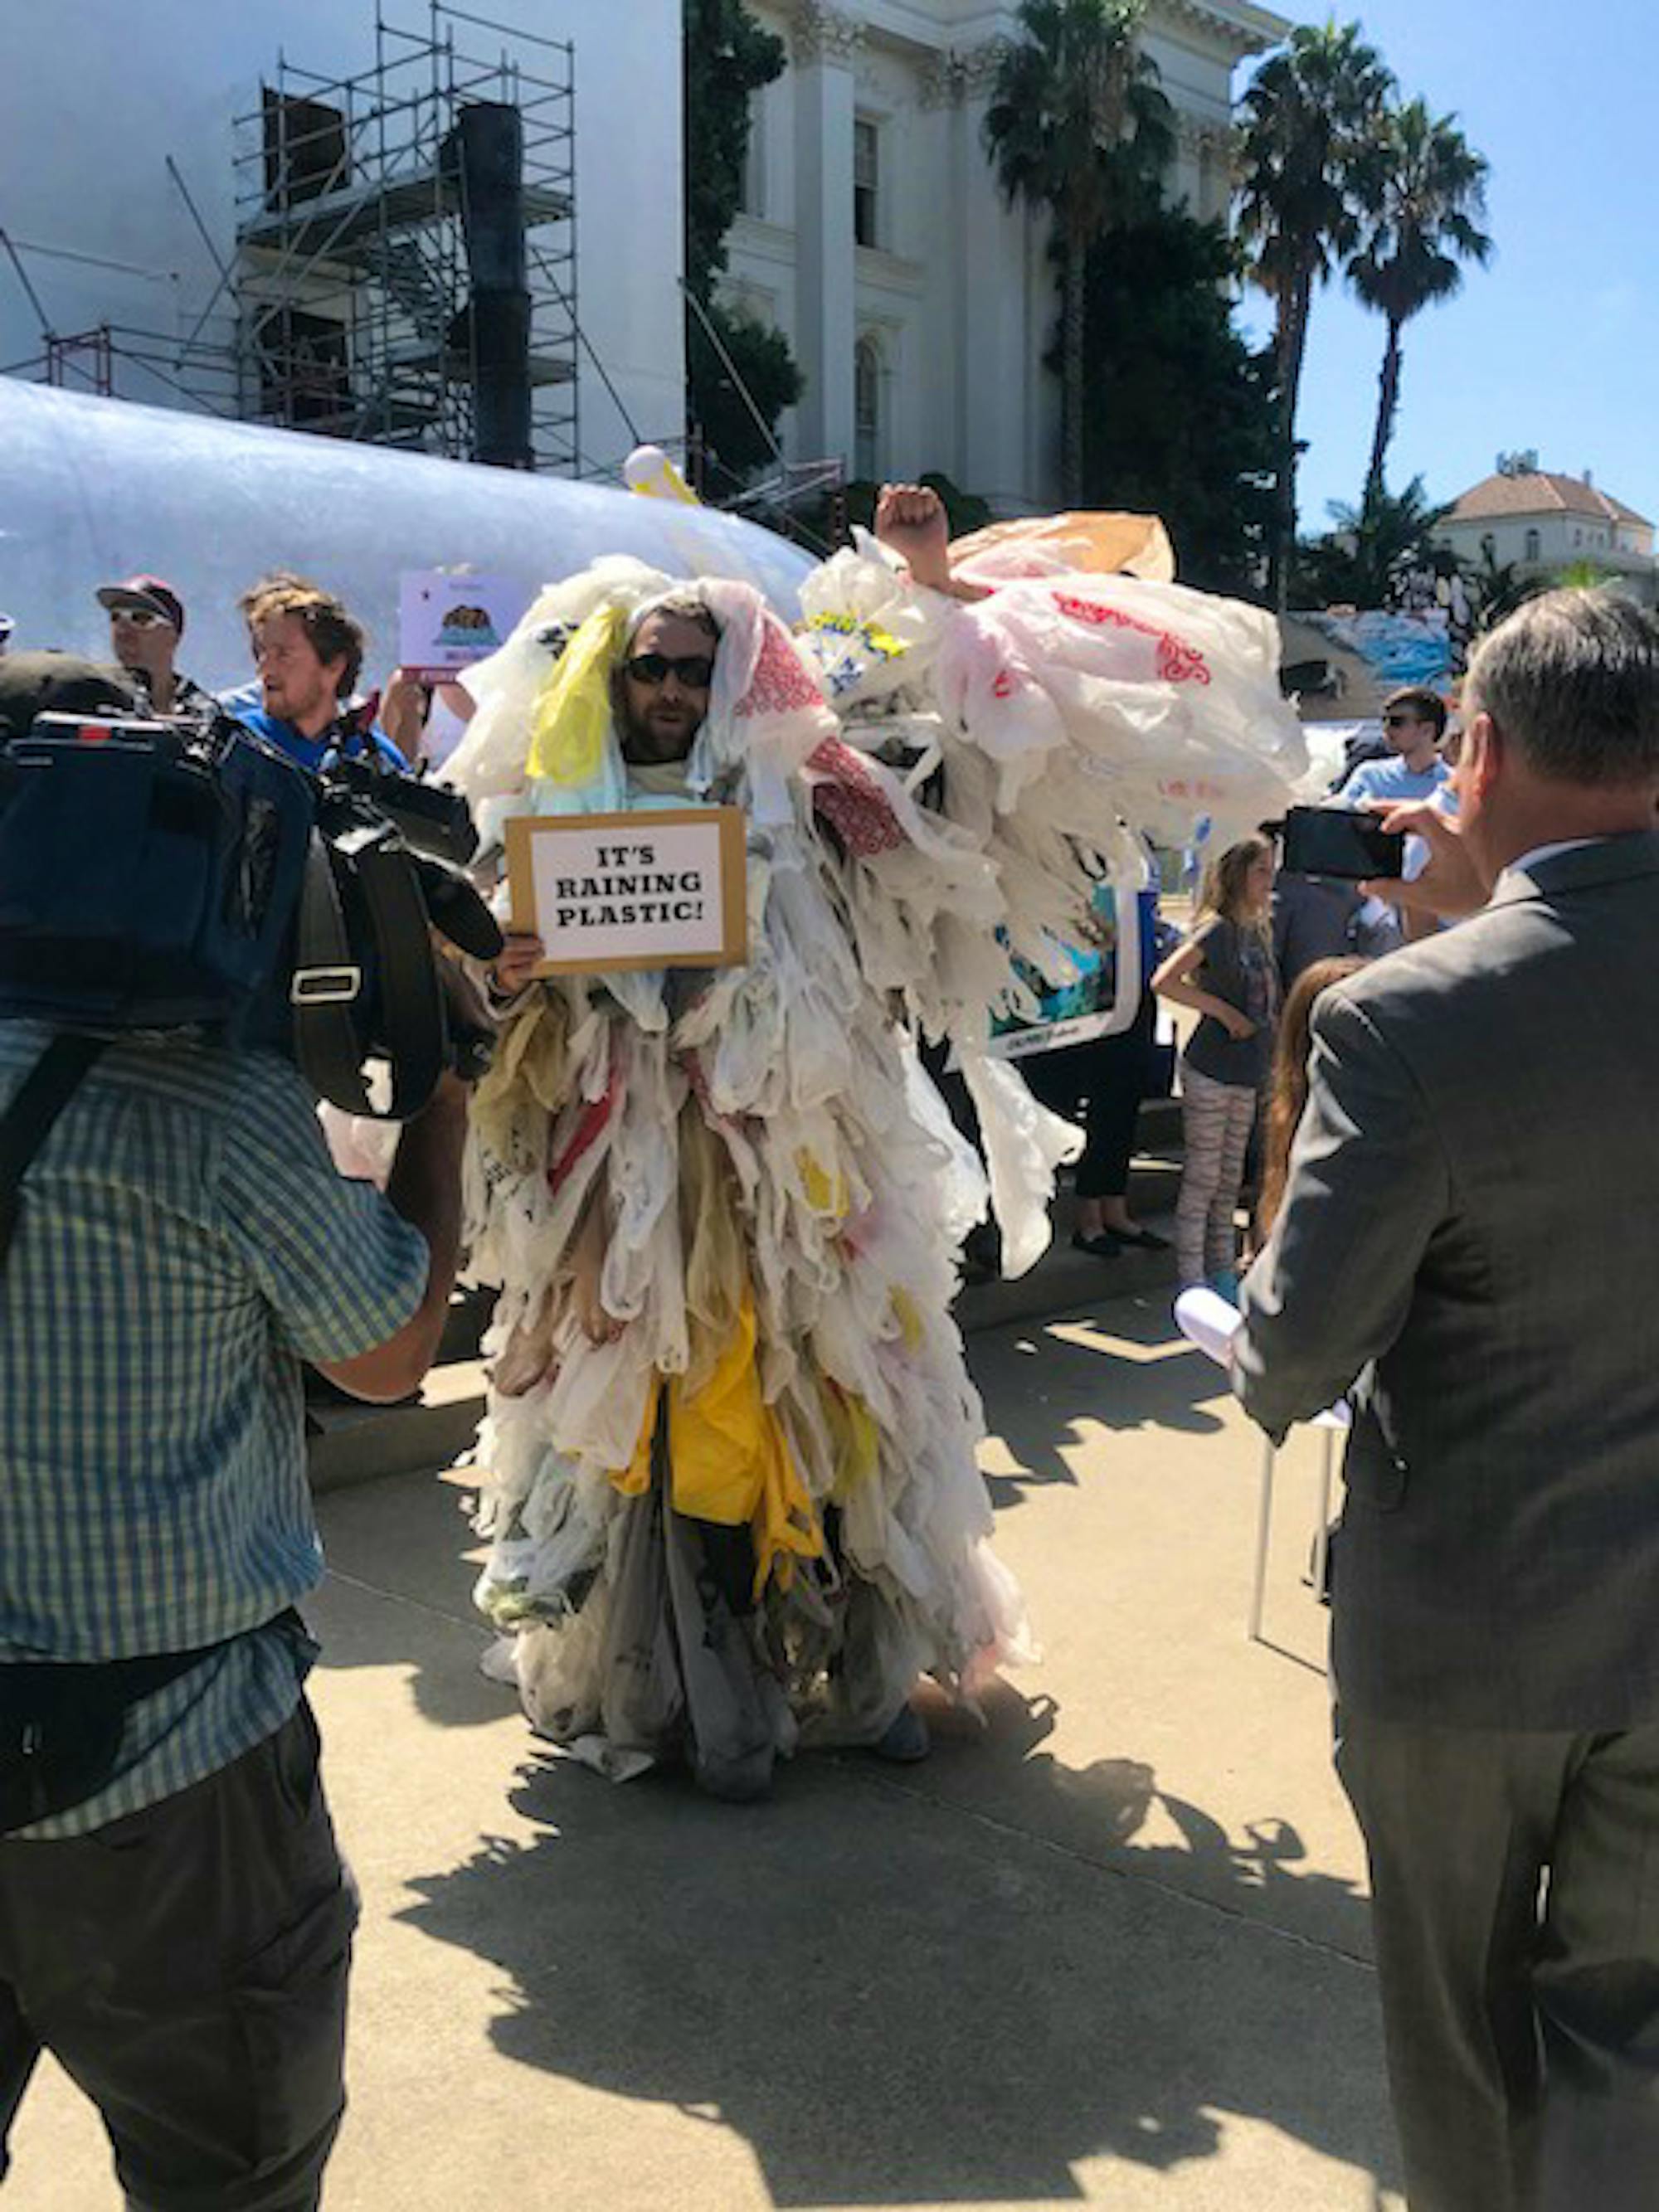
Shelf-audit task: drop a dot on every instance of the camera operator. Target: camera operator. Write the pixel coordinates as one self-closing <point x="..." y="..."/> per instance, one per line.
<point x="308" y="650"/>
<point x="180" y="1936"/>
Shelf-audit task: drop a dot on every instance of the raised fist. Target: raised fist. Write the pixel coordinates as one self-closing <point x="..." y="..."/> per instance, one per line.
<point x="912" y="520"/>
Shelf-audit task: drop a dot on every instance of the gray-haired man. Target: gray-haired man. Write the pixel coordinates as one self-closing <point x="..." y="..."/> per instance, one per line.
<point x="1470" y="1237"/>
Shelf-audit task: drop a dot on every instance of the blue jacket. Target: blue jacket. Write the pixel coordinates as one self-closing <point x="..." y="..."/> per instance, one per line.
<point x="310" y="752"/>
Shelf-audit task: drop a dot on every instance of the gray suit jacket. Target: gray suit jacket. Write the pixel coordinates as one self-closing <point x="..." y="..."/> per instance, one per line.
<point x="1471" y="1229"/>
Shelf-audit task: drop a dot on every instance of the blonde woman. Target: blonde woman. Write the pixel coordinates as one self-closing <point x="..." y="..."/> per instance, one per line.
<point x="1225" y="972"/>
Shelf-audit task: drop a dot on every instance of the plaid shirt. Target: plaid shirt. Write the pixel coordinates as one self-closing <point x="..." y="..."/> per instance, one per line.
<point x="185" y="1242"/>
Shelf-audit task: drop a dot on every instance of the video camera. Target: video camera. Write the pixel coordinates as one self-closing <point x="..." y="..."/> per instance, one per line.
<point x="158" y="874"/>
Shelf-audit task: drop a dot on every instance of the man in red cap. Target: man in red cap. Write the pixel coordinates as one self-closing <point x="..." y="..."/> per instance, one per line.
<point x="146" y="622"/>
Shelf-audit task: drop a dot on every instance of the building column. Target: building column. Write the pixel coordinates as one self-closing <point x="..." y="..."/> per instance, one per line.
<point x="825" y="46"/>
<point x="1004" y="306"/>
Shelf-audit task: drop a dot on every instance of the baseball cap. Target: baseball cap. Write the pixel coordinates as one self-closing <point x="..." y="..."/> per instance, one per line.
<point x="33" y="683"/>
<point x="146" y="591"/>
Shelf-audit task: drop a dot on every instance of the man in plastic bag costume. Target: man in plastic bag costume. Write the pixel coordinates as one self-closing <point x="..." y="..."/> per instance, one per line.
<point x="728" y="1466"/>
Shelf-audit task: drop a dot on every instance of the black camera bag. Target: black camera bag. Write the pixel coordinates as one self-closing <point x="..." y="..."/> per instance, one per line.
<point x="154" y="875"/>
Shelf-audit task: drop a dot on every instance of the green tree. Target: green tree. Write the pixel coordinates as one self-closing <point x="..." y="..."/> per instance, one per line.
<point x="727" y="56"/>
<point x="1076" y="123"/>
<point x="1425" y="189"/>
<point x="1373" y="544"/>
<point x="1308" y="113"/>
<point x="1577" y="576"/>
<point x="749" y="372"/>
<point x="1179" y="414"/>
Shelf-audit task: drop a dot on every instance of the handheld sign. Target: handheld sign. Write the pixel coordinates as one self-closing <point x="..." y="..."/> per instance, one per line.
<point x="447" y="619"/>
<point x="611" y="891"/>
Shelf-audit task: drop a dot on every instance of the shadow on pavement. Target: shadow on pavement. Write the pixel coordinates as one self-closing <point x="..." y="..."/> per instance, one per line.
<point x="402" y="1561"/>
<point x="1084" y="1370"/>
<point x="1001" y="1774"/>
<point x="895" y="1999"/>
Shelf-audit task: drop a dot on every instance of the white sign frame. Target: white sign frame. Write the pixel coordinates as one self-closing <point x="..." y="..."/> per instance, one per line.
<point x="427" y="601"/>
<point x="616" y="865"/>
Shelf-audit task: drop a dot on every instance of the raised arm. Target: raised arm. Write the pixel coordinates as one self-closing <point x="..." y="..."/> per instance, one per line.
<point x="911" y="521"/>
<point x="1450" y="886"/>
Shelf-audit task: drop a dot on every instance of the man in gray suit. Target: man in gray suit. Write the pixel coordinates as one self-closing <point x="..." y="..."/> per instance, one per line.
<point x="1469" y="1241"/>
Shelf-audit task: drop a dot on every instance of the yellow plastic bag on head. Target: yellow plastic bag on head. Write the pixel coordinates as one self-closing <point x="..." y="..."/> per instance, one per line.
<point x="573" y="711"/>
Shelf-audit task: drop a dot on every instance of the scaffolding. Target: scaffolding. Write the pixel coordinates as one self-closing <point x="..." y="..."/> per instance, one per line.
<point x="367" y="261"/>
<point x="83" y="361"/>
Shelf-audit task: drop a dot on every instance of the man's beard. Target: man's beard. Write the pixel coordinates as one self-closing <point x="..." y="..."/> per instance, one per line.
<point x="647" y="746"/>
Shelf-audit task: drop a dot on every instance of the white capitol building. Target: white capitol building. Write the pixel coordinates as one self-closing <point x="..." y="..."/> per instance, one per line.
<point x="874" y="234"/>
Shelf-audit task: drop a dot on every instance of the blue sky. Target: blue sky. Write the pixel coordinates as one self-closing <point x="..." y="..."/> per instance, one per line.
<point x="1556" y="343"/>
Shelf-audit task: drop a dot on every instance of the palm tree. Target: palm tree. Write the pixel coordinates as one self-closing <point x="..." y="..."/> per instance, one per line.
<point x="1426" y="187"/>
<point x="1307" y="115"/>
<point x="1358" y="562"/>
<point x="1076" y="123"/>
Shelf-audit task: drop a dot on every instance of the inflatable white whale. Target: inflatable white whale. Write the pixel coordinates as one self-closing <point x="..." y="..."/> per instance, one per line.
<point x="92" y="490"/>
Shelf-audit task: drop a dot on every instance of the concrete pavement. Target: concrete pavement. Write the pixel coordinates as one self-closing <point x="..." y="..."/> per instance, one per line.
<point x="1110" y="1950"/>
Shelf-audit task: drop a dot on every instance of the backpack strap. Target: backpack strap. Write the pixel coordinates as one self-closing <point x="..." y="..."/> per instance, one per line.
<point x="40" y="1099"/>
<point x="412" y="1015"/>
<point x="328" y="981"/>
<point x="325" y="987"/>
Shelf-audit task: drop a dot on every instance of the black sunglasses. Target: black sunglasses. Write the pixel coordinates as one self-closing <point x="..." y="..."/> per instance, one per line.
<point x="694" y="669"/>
<point x="1398" y="721"/>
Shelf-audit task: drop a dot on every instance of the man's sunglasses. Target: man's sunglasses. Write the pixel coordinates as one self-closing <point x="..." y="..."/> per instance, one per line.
<point x="1399" y="721"/>
<point x="140" y="618"/>
<point x="695" y="670"/>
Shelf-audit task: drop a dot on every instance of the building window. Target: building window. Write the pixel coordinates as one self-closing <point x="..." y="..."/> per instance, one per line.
<point x="1489" y="549"/>
<point x="1532" y="545"/>
<point x="866" y="182"/>
<point x="866" y="411"/>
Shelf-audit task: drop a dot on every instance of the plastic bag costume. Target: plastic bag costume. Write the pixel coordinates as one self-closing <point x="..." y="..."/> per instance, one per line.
<point x="756" y="1513"/>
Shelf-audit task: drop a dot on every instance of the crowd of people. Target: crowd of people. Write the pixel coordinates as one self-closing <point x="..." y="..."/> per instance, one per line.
<point x="1258" y="931"/>
<point x="307" y="651"/>
<point x="728" y="1468"/>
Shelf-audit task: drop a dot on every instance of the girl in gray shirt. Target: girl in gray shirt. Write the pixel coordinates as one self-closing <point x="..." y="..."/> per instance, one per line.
<point x="1225" y="972"/>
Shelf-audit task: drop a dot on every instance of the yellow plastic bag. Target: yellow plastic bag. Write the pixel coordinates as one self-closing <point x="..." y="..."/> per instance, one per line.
<point x="731" y="1461"/>
<point x="856" y="1439"/>
<point x="573" y="710"/>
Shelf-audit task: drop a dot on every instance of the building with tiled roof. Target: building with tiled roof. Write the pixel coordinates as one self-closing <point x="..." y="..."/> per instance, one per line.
<point x="1540" y="521"/>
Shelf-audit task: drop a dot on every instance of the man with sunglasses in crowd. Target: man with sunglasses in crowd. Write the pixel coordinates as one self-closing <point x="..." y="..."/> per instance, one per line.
<point x="146" y="622"/>
<point x="1413" y="723"/>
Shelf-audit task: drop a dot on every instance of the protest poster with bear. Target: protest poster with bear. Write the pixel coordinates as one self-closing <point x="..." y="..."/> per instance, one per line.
<point x="610" y="892"/>
<point x="450" y="618"/>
